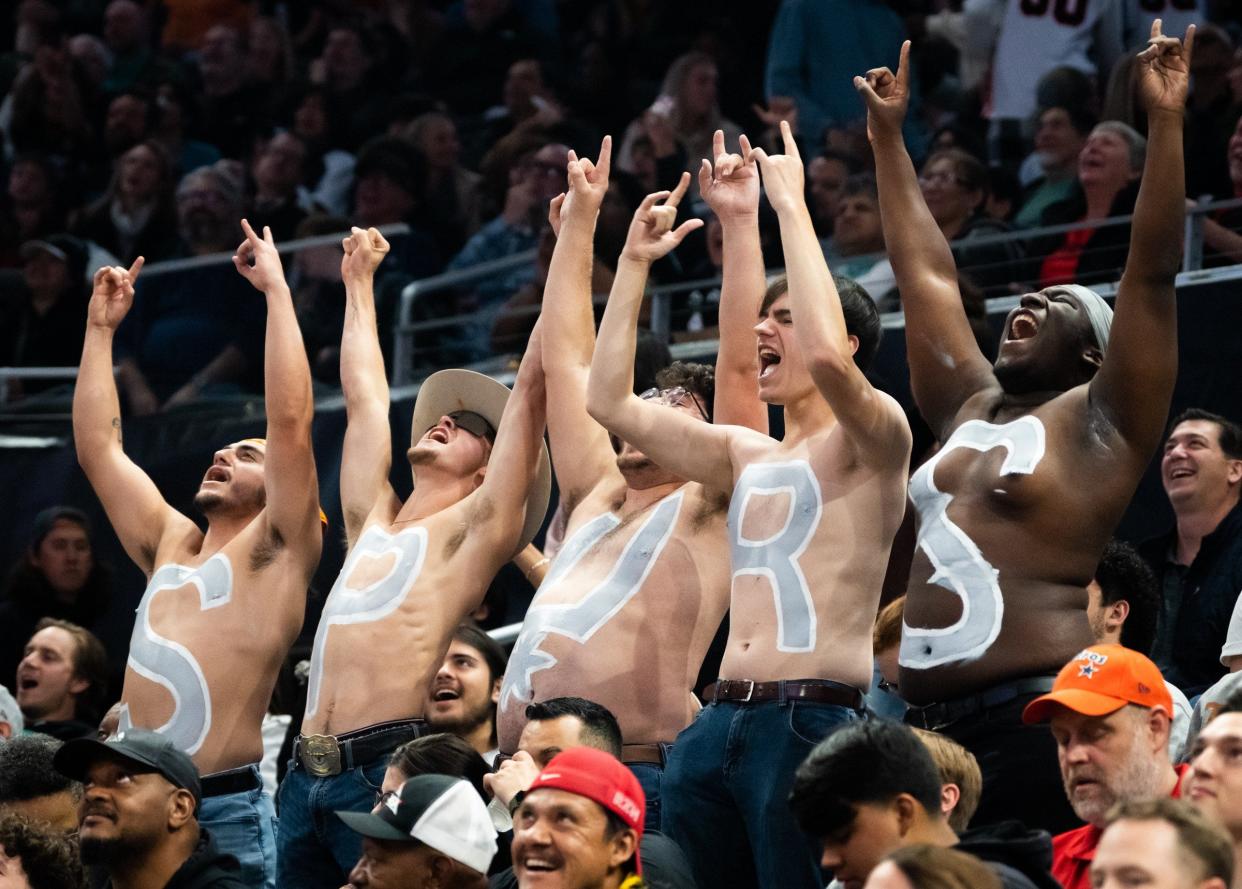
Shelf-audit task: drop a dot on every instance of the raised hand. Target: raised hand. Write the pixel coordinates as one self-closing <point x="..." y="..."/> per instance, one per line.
<point x="730" y="184"/>
<point x="652" y="235"/>
<point x="112" y="295"/>
<point x="779" y="108"/>
<point x="257" y="259"/>
<point x="554" y="213"/>
<point x="1164" y="71"/>
<point x="588" y="182"/>
<point x="886" y="95"/>
<point x="364" y="251"/>
<point x="783" y="176"/>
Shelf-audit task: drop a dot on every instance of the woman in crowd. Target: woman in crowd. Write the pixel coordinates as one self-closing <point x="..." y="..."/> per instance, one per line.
<point x="136" y="216"/>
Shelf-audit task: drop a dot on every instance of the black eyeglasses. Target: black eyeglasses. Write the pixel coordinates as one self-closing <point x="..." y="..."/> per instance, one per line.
<point x="676" y="396"/>
<point x="382" y="798"/>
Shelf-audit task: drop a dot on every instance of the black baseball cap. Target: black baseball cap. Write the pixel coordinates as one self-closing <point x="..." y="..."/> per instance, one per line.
<point x="150" y="750"/>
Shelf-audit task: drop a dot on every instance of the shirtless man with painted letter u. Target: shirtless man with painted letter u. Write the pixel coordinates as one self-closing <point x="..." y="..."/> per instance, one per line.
<point x="220" y="609"/>
<point x="1041" y="451"/>
<point x="413" y="572"/>
<point x="811" y="521"/>
<point x="633" y="600"/>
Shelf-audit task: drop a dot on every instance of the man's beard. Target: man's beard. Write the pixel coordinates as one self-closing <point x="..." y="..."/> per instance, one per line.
<point x="103" y="850"/>
<point x="468" y="722"/>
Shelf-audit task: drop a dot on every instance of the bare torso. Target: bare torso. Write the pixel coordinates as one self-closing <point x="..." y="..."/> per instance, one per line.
<point x="209" y="638"/>
<point x="626" y="614"/>
<point x="810" y="529"/>
<point x="1014" y="512"/>
<point x="388" y="621"/>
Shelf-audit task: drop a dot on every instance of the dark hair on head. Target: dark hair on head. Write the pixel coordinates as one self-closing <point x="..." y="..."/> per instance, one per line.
<point x="441" y="754"/>
<point x="1065" y="87"/>
<point x="1124" y="574"/>
<point x="46" y="519"/>
<point x="396" y="158"/>
<point x="862" y="319"/>
<point x="935" y="867"/>
<point x="599" y="727"/>
<point x="613" y="827"/>
<point x="651" y="355"/>
<point x="477" y="638"/>
<point x="697" y="379"/>
<point x="1230" y="432"/>
<point x="1081" y="118"/>
<point x="90" y="662"/>
<point x="968" y="169"/>
<point x="852" y="162"/>
<point x="865" y="762"/>
<point x="1203" y="844"/>
<point x="860" y="183"/>
<point x="49" y="859"/>
<point x="26" y="770"/>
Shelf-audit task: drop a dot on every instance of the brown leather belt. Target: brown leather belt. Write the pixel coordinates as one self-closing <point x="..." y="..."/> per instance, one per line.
<point x="326" y="755"/>
<point x="818" y="691"/>
<point x="649" y="754"/>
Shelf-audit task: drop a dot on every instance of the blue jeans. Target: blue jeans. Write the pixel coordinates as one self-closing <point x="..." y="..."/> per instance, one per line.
<point x="244" y="826"/>
<point x="726" y="788"/>
<point x="314" y="848"/>
<point x="649" y="776"/>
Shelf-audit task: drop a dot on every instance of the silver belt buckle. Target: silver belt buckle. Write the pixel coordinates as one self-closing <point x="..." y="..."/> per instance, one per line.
<point x="749" y="691"/>
<point x="321" y="755"/>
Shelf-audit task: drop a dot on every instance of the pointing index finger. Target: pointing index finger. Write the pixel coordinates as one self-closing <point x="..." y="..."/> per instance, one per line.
<point x="249" y="232"/>
<point x="604" y="165"/>
<point x="718" y="145"/>
<point x="791" y="146"/>
<point x="903" y="64"/>
<point x="679" y="191"/>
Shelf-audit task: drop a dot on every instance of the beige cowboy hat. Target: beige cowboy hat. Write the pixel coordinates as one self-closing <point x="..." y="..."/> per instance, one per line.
<point x="446" y="391"/>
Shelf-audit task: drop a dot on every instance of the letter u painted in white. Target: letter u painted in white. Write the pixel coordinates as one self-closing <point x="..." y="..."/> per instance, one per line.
<point x="170" y="663"/>
<point x="581" y="620"/>
<point x="776" y="557"/>
<point x="379" y="599"/>
<point x="957" y="563"/>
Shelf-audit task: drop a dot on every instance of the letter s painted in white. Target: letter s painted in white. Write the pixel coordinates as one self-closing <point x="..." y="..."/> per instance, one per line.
<point x="957" y="563"/>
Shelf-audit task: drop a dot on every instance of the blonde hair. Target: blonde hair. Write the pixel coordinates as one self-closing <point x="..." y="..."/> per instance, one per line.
<point x="887" y="631"/>
<point x="957" y="766"/>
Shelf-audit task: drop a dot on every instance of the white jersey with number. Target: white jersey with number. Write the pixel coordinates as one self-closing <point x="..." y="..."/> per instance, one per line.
<point x="1039" y="35"/>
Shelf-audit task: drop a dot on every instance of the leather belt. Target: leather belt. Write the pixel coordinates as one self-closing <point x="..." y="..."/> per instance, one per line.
<point x="944" y="713"/>
<point x="237" y="780"/>
<point x="818" y="691"/>
<point x="326" y="755"/>
<point x="648" y="754"/>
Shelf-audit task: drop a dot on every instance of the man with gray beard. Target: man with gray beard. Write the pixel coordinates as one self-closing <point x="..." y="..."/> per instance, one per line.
<point x="1110" y="713"/>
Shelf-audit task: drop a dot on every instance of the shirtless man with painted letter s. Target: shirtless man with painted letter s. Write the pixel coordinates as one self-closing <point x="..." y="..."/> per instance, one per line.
<point x="633" y="600"/>
<point x="1041" y="451"/>
<point x="413" y="572"/>
<point x="811" y="521"/>
<point x="221" y="609"/>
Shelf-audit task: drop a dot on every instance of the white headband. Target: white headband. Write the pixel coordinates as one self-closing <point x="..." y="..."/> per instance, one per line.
<point x="1099" y="314"/>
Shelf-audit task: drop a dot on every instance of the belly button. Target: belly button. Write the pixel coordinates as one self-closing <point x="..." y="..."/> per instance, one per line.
<point x="745" y="646"/>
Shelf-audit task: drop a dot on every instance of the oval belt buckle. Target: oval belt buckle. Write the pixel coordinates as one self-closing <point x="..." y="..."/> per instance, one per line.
<point x="321" y="754"/>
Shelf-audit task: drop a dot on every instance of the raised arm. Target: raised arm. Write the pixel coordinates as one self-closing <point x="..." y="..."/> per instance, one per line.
<point x="135" y="507"/>
<point x="498" y="505"/>
<point x="367" y="453"/>
<point x="677" y="442"/>
<point x="873" y="422"/>
<point x="730" y="187"/>
<point x="581" y="453"/>
<point x="289" y="479"/>
<point x="946" y="366"/>
<point x="1135" y="382"/>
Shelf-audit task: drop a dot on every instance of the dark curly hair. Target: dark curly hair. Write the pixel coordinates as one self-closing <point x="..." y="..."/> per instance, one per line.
<point x="49" y="859"/>
<point x="697" y="379"/>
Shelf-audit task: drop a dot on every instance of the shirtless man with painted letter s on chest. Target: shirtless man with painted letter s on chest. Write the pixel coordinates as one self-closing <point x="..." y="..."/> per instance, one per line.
<point x="1041" y="452"/>
<point x="811" y="521"/>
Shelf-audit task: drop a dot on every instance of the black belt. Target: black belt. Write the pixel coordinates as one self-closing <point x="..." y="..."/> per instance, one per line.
<point x="944" y="713"/>
<point x="818" y="691"/>
<point x="232" y="781"/>
<point x="327" y="755"/>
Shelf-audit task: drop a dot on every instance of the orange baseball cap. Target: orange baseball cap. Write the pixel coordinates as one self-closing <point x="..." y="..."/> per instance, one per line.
<point x="1101" y="680"/>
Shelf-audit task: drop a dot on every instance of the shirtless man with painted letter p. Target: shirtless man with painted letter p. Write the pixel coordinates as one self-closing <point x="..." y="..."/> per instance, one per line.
<point x="221" y="609"/>
<point x="413" y="572"/>
<point x="635" y="596"/>
<point x="1041" y="452"/>
<point x="811" y="521"/>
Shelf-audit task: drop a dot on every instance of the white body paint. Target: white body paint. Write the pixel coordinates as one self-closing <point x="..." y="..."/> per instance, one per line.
<point x="347" y="605"/>
<point x="172" y="665"/>
<point x="581" y="620"/>
<point x="776" y="557"/>
<point x="957" y="563"/>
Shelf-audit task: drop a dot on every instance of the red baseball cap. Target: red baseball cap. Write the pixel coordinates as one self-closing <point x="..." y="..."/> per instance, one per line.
<point x="1101" y="680"/>
<point x="601" y="777"/>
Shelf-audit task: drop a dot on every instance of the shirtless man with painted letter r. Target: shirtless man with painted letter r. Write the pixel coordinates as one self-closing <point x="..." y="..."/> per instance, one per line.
<point x="634" y="598"/>
<point x="221" y="609"/>
<point x="413" y="572"/>
<point x="811" y="521"/>
<point x="1041" y="452"/>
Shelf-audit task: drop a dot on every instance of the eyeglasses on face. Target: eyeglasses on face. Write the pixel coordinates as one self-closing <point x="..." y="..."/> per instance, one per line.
<point x="676" y="396"/>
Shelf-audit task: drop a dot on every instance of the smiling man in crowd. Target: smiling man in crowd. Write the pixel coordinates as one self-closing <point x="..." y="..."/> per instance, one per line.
<point x="463" y="695"/>
<point x="62" y="680"/>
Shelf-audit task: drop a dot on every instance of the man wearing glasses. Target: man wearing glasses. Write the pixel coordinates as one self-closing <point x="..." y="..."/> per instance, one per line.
<point x="413" y="572"/>
<point x="636" y="594"/>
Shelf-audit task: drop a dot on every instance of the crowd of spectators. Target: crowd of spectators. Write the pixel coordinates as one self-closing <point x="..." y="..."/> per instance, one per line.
<point x="131" y="128"/>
